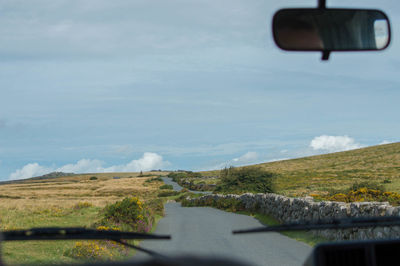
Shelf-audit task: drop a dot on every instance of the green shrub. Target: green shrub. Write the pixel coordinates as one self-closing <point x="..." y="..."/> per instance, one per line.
<point x="168" y="193"/>
<point x="250" y="179"/>
<point x="193" y="174"/>
<point x="131" y="214"/>
<point x="366" y="184"/>
<point x="229" y="204"/>
<point x="176" y="176"/>
<point x="129" y="211"/>
<point x="185" y="179"/>
<point x="387" y="181"/>
<point x="155" y="179"/>
<point x="183" y="195"/>
<point x="93" y="178"/>
<point x="224" y="204"/>
<point x="166" y="187"/>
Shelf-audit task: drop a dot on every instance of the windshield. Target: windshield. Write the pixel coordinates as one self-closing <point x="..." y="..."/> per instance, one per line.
<point x="120" y="115"/>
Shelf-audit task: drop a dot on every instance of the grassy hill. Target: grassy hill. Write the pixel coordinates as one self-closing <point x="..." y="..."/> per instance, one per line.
<point x="336" y="171"/>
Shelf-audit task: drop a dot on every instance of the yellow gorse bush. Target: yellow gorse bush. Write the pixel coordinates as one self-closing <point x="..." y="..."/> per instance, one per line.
<point x="82" y="205"/>
<point x="362" y="194"/>
<point x="135" y="200"/>
<point x="107" y="228"/>
<point x="89" y="250"/>
<point x="131" y="212"/>
<point x="339" y="197"/>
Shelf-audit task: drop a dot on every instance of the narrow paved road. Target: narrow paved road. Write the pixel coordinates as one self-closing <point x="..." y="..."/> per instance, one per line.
<point x="177" y="187"/>
<point x="207" y="231"/>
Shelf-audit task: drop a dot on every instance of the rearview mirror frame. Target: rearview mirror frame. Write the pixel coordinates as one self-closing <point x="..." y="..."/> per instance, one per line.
<point x="338" y="46"/>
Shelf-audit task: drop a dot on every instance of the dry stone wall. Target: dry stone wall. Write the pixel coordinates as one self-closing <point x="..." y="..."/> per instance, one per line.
<point x="286" y="209"/>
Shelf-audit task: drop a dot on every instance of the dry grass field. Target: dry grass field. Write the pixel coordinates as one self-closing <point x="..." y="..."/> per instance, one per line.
<point x="56" y="202"/>
<point x="65" y="192"/>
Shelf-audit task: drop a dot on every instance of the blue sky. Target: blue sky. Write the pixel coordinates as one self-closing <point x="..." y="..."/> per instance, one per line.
<point x="128" y="85"/>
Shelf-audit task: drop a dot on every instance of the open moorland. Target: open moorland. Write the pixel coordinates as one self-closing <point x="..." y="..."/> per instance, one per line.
<point x="82" y="200"/>
<point x="70" y="201"/>
<point x="336" y="171"/>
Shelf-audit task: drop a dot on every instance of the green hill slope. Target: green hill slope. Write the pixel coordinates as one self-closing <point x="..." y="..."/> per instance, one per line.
<point x="335" y="171"/>
<point x="339" y="170"/>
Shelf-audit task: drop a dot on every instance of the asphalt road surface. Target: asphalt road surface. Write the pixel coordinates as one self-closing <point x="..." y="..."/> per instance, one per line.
<point x="206" y="231"/>
<point x="177" y="187"/>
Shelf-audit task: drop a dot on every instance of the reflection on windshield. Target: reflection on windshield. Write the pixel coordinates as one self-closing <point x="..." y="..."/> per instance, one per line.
<point x="381" y="33"/>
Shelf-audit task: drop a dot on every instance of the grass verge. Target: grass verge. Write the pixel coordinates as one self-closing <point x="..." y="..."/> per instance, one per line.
<point x="302" y="236"/>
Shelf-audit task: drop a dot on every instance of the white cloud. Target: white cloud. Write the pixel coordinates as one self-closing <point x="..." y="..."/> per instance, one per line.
<point x="149" y="161"/>
<point x="385" y="142"/>
<point x="249" y="157"/>
<point x="246" y="159"/>
<point x="30" y="170"/>
<point x="334" y="143"/>
<point x="83" y="166"/>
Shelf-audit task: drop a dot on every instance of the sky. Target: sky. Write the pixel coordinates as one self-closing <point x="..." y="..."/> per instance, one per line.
<point x="102" y="86"/>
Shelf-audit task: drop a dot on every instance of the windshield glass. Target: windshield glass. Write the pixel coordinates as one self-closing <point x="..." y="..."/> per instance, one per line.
<point x="120" y="113"/>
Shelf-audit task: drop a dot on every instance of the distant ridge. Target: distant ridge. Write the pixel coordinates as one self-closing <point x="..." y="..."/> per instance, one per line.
<point x="52" y="175"/>
<point x="46" y="176"/>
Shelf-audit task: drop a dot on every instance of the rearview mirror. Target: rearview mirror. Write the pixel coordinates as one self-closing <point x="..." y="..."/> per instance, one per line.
<point x="329" y="30"/>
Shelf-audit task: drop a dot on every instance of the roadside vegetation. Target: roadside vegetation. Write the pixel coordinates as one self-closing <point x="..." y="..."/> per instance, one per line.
<point x="360" y="192"/>
<point x="152" y="180"/>
<point x="128" y="203"/>
<point x="241" y="180"/>
<point x="166" y="187"/>
<point x="129" y="214"/>
<point x="168" y="193"/>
